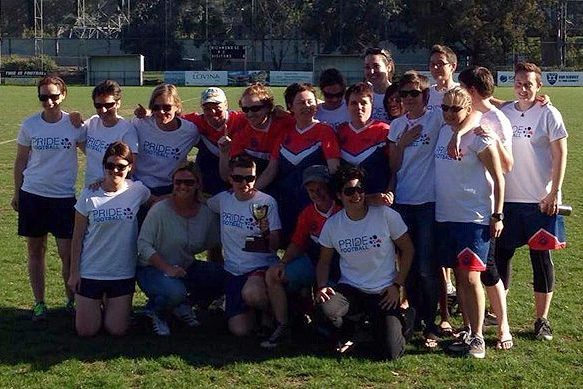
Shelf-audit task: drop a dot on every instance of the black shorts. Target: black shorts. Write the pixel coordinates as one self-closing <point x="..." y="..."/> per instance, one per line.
<point x="97" y="289"/>
<point x="39" y="215"/>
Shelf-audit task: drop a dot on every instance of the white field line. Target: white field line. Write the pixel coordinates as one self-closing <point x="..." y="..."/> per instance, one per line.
<point x="7" y="141"/>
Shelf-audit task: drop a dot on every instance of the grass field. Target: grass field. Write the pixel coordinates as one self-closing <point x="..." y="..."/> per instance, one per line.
<point x="52" y="355"/>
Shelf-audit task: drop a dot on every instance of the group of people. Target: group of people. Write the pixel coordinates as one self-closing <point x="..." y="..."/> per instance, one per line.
<point x="373" y="192"/>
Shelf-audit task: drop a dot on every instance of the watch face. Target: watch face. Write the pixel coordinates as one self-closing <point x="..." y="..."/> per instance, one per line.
<point x="498" y="216"/>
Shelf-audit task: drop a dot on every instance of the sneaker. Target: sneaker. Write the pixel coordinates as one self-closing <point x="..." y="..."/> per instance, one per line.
<point x="159" y="325"/>
<point x="490" y="319"/>
<point x="542" y="329"/>
<point x="184" y="313"/>
<point x="477" y="347"/>
<point x="280" y="335"/>
<point x="39" y="311"/>
<point x="70" y="307"/>
<point x="450" y="289"/>
<point x="461" y="344"/>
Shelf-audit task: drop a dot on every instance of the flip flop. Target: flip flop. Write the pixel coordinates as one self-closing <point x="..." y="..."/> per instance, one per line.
<point x="505" y="344"/>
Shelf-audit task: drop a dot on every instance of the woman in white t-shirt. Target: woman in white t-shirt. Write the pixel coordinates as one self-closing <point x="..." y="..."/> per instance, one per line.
<point x="370" y="280"/>
<point x="164" y="140"/>
<point x="469" y="196"/>
<point x="105" y="128"/>
<point x="104" y="246"/>
<point x="45" y="171"/>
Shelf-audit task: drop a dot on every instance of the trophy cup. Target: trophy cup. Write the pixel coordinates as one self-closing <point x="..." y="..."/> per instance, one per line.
<point x="258" y="243"/>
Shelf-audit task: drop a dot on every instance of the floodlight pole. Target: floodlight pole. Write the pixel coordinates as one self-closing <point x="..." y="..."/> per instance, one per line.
<point x="38" y="31"/>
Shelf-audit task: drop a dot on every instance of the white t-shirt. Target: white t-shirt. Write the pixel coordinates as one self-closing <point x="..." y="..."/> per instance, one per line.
<point x="463" y="186"/>
<point x="333" y="117"/>
<point x="530" y="178"/>
<point x="110" y="242"/>
<point x="366" y="248"/>
<point x="499" y="123"/>
<point x="99" y="138"/>
<point x="160" y="152"/>
<point x="436" y="97"/>
<point x="51" y="170"/>
<point x="416" y="177"/>
<point x="378" y="109"/>
<point x="237" y="223"/>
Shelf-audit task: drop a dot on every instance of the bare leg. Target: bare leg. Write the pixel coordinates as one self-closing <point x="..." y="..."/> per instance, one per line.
<point x="37" y="248"/>
<point x="474" y="299"/>
<point x="64" y="249"/>
<point x="117" y="314"/>
<point x="88" y="316"/>
<point x="542" y="304"/>
<point x="497" y="297"/>
<point x="277" y="296"/>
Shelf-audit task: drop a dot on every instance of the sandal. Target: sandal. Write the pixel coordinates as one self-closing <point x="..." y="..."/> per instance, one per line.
<point x="505" y="344"/>
<point x="431" y="341"/>
<point x="445" y="329"/>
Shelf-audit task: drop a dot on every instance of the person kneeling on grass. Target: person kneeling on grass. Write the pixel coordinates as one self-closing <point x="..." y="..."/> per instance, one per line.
<point x="174" y="230"/>
<point x="103" y="249"/>
<point x="370" y="280"/>
<point x="245" y="262"/>
<point x="296" y="269"/>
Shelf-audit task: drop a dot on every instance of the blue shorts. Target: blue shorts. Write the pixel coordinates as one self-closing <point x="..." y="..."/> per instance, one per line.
<point x="39" y="215"/>
<point x="234" y="303"/>
<point x="524" y="223"/>
<point x="463" y="245"/>
<point x="97" y="289"/>
<point x="300" y="273"/>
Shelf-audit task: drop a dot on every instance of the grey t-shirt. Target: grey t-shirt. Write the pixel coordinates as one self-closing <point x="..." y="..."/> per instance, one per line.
<point x="176" y="238"/>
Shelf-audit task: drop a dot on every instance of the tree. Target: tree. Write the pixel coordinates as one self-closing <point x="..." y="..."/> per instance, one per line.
<point x="485" y="30"/>
<point x="350" y="26"/>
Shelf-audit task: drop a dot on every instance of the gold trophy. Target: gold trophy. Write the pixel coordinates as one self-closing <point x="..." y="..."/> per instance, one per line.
<point x="258" y="243"/>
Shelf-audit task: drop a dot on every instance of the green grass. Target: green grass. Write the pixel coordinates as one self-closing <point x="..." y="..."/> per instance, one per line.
<point x="53" y="356"/>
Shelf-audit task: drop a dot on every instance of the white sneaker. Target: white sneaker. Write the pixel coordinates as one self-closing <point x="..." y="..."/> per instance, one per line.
<point x="184" y="313"/>
<point x="159" y="325"/>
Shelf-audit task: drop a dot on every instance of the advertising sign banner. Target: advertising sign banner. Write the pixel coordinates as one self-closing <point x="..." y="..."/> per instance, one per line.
<point x="211" y="78"/>
<point x="283" y="78"/>
<point x="548" y="78"/>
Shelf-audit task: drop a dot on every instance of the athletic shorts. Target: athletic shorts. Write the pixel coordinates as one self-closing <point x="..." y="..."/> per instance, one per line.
<point x="97" y="289"/>
<point x="300" y="273"/>
<point x="39" y="215"/>
<point x="524" y="223"/>
<point x="234" y="303"/>
<point x="463" y="245"/>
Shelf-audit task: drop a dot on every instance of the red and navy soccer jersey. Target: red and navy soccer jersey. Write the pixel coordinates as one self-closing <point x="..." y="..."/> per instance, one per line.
<point x="207" y="157"/>
<point x="310" y="224"/>
<point x="298" y="150"/>
<point x="366" y="147"/>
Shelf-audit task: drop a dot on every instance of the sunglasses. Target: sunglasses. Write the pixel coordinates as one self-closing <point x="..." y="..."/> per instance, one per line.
<point x="44" y="98"/>
<point x="333" y="95"/>
<point x="240" y="178"/>
<point x="107" y="106"/>
<point x="187" y="182"/>
<point x="452" y="108"/>
<point x="352" y="190"/>
<point x="119" y="166"/>
<point x="412" y="93"/>
<point x="253" y="108"/>
<point x="162" y="107"/>
<point x="438" y="65"/>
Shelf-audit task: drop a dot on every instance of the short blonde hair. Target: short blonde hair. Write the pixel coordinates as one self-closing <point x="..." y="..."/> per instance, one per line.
<point x="460" y="96"/>
<point x="166" y="90"/>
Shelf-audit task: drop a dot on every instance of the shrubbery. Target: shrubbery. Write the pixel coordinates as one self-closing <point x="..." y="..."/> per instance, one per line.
<point x="17" y="62"/>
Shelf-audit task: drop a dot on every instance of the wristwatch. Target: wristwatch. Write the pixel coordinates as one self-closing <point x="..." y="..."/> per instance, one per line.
<point x="499" y="216"/>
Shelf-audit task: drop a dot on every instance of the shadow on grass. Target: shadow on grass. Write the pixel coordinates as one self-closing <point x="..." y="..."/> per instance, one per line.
<point x="53" y="341"/>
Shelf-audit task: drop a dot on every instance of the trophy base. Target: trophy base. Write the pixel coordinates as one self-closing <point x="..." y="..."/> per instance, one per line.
<point x="256" y="244"/>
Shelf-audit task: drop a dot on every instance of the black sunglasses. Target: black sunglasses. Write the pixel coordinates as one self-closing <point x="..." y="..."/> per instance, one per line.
<point x="162" y="107"/>
<point x="253" y="108"/>
<point x="333" y="95"/>
<point x="412" y="93"/>
<point x="240" y="178"/>
<point x="44" y="98"/>
<point x="187" y="182"/>
<point x="119" y="166"/>
<point x="349" y="191"/>
<point x="452" y="108"/>
<point x="104" y="105"/>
